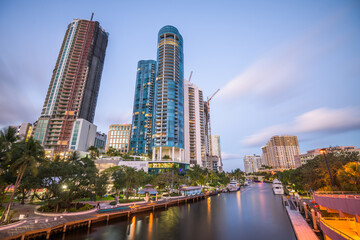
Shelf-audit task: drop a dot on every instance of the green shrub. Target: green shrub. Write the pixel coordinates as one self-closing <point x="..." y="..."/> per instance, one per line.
<point x="113" y="203"/>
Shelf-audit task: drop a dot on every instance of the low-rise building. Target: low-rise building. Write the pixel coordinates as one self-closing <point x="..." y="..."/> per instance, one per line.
<point x="100" y="141"/>
<point x="82" y="135"/>
<point x="311" y="154"/>
<point x="119" y="137"/>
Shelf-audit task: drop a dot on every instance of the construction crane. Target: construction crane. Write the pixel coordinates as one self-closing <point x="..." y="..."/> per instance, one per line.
<point x="208" y="119"/>
<point x="190" y="76"/>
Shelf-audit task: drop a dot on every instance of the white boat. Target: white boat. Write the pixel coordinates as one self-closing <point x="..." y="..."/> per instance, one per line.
<point x="233" y="186"/>
<point x="277" y="187"/>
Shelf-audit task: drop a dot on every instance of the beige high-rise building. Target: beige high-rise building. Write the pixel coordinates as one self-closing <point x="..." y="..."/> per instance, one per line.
<point x="194" y="124"/>
<point x="280" y="151"/>
<point x="119" y="137"/>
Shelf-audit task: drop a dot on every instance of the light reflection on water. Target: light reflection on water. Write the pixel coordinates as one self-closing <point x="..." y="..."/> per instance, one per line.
<point x="254" y="213"/>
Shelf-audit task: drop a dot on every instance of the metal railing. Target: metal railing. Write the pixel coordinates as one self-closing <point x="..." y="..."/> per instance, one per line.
<point x="339" y="194"/>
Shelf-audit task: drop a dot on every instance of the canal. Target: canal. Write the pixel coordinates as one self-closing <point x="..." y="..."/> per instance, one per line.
<point x="250" y="214"/>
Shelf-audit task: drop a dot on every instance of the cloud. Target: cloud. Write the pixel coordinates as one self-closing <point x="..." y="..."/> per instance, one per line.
<point x="321" y="120"/>
<point x="230" y="156"/>
<point x="274" y="74"/>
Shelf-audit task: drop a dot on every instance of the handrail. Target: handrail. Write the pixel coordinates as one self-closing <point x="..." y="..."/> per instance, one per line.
<point x="337" y="192"/>
<point x="335" y="230"/>
<point x="350" y="196"/>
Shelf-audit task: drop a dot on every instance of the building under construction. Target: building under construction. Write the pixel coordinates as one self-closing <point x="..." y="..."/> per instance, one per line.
<point x="74" y="85"/>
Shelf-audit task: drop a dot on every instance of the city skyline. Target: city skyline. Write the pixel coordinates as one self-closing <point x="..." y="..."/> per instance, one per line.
<point x="301" y="81"/>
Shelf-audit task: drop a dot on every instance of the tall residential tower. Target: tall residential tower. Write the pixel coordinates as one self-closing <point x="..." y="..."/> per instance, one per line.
<point x="194" y="121"/>
<point x="74" y="85"/>
<point x="143" y="107"/>
<point x="168" y="116"/>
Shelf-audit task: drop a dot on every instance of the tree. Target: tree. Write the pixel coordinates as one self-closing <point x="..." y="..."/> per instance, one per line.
<point x="23" y="155"/>
<point x="94" y="152"/>
<point x="349" y="177"/>
<point x="7" y="138"/>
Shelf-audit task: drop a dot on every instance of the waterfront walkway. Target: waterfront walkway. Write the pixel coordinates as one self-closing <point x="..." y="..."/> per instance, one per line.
<point x="47" y="225"/>
<point x="301" y="228"/>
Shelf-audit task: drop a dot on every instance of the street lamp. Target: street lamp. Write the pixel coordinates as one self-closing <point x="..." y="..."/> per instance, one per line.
<point x="323" y="151"/>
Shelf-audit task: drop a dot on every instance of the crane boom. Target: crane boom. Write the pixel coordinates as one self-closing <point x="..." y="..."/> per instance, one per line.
<point x="209" y="98"/>
<point x="190" y="76"/>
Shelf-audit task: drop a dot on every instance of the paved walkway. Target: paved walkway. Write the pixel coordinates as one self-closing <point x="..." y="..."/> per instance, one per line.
<point x="302" y="229"/>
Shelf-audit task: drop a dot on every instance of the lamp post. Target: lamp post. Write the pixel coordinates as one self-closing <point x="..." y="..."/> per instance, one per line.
<point x="323" y="151"/>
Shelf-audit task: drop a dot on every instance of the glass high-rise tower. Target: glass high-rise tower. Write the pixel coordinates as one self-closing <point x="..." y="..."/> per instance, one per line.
<point x="74" y="85"/>
<point x="143" y="107"/>
<point x="168" y="116"/>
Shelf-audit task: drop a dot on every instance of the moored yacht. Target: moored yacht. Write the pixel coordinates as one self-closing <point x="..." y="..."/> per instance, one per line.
<point x="233" y="186"/>
<point x="277" y="187"/>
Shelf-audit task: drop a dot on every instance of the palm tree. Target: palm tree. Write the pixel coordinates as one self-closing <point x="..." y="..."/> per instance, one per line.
<point x="24" y="154"/>
<point x="94" y="152"/>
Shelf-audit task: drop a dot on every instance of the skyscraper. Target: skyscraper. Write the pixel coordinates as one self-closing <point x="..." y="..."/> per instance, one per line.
<point x="168" y="116"/>
<point x="74" y="85"/>
<point x="280" y="151"/>
<point x="143" y="107"/>
<point x="194" y="121"/>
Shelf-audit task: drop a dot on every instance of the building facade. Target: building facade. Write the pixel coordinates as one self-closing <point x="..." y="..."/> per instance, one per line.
<point x="168" y="116"/>
<point x="74" y="85"/>
<point x="143" y="107"/>
<point x="119" y="137"/>
<point x="252" y="163"/>
<point x="83" y="135"/>
<point x="280" y="151"/>
<point x="215" y="153"/>
<point x="302" y="159"/>
<point x="194" y="122"/>
<point x="23" y="131"/>
<point x="100" y="141"/>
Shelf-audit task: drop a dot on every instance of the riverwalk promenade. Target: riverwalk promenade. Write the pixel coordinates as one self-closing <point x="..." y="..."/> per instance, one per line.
<point x="49" y="224"/>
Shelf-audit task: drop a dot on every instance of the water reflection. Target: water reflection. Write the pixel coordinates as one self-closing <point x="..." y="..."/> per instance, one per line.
<point x="150" y="228"/>
<point x="208" y="202"/>
<point x="238" y="197"/>
<point x="132" y="228"/>
<point x="259" y="215"/>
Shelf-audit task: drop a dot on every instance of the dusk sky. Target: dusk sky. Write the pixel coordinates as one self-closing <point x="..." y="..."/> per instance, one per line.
<point x="283" y="67"/>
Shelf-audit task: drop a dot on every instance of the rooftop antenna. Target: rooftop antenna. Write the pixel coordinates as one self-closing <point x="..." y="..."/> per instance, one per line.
<point x="92" y="15"/>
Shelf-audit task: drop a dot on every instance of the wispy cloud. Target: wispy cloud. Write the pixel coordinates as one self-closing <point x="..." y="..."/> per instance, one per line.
<point x="274" y="74"/>
<point x="230" y="156"/>
<point x="321" y="120"/>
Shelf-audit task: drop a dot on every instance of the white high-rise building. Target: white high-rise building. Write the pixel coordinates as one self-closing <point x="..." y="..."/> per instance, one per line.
<point x="252" y="163"/>
<point x="194" y="124"/>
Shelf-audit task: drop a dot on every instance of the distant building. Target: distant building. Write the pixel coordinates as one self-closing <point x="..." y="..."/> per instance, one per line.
<point x="119" y="137"/>
<point x="23" y="131"/>
<point x="252" y="163"/>
<point x="194" y="121"/>
<point x="143" y="107"/>
<point x="83" y="135"/>
<point x="280" y="152"/>
<point x="302" y="159"/>
<point x="215" y="152"/>
<point x="153" y="167"/>
<point x="74" y="84"/>
<point x="100" y="141"/>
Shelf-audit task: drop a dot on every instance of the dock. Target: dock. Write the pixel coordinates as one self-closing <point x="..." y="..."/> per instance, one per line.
<point x="47" y="226"/>
<point x="301" y="228"/>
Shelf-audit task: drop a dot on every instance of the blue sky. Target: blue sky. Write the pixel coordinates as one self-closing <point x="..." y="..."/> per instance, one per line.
<point x="283" y="67"/>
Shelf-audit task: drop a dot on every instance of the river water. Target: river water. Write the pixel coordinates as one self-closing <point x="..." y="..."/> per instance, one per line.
<point x="250" y="214"/>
